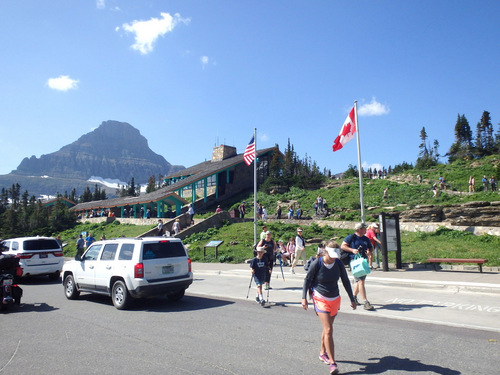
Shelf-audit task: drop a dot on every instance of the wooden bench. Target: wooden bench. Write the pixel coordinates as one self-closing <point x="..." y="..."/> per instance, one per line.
<point x="436" y="261"/>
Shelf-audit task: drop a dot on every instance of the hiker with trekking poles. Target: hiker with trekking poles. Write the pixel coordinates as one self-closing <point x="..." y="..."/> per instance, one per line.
<point x="270" y="248"/>
<point x="260" y="271"/>
<point x="321" y="282"/>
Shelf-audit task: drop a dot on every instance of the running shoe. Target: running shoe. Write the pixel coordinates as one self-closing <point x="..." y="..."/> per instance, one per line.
<point x="356" y="300"/>
<point x="291" y="270"/>
<point x="257" y="299"/>
<point x="334" y="368"/>
<point x="368" y="306"/>
<point x="262" y="302"/>
<point x="324" y="357"/>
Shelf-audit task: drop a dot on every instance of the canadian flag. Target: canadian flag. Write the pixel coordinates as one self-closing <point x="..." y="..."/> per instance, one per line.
<point x="347" y="131"/>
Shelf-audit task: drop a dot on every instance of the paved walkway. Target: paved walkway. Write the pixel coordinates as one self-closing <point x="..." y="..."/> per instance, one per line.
<point x="488" y="282"/>
<point x="465" y="299"/>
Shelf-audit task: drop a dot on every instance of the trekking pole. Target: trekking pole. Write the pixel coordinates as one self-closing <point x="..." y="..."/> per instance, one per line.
<point x="267" y="295"/>
<point x="281" y="267"/>
<point x="250" y="285"/>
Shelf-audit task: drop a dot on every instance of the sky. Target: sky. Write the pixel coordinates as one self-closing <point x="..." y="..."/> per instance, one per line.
<point x="190" y="75"/>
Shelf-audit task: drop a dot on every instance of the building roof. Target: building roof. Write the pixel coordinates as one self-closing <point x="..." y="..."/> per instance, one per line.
<point x="167" y="194"/>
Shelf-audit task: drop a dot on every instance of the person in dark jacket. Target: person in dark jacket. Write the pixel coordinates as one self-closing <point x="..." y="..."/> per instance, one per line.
<point x="322" y="278"/>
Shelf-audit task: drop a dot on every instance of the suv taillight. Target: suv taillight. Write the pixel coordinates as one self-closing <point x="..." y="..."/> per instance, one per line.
<point x="189" y="264"/>
<point x="58" y="253"/>
<point x="24" y="255"/>
<point x="139" y="271"/>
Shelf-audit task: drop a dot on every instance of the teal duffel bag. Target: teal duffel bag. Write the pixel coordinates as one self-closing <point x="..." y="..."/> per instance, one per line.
<point x="359" y="266"/>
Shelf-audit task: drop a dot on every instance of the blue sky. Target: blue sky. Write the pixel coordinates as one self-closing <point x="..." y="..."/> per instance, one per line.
<point x="193" y="74"/>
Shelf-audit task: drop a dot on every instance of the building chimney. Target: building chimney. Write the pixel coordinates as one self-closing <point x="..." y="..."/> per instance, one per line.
<point x="223" y="152"/>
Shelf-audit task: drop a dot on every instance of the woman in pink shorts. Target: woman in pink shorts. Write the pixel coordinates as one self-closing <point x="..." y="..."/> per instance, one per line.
<point x="322" y="281"/>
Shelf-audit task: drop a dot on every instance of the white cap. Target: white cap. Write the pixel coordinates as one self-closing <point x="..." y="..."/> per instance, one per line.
<point x="332" y="252"/>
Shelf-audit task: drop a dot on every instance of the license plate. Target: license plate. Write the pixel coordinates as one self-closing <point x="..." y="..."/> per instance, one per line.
<point x="167" y="269"/>
<point x="43" y="256"/>
<point x="7" y="282"/>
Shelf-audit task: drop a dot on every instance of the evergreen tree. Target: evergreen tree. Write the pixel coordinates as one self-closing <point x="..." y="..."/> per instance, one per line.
<point x="488" y="138"/>
<point x="462" y="147"/>
<point x="131" y="189"/>
<point x="151" y="184"/>
<point x="86" y="196"/>
<point x="96" y="196"/>
<point x="14" y="195"/>
<point x="424" y="152"/>
<point x="72" y="196"/>
<point x="276" y="164"/>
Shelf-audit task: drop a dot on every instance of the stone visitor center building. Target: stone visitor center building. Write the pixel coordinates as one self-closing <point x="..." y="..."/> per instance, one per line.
<point x="215" y="180"/>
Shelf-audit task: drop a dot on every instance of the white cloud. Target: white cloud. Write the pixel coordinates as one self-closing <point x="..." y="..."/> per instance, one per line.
<point x="147" y="32"/>
<point x="373" y="108"/>
<point x="376" y="166"/>
<point x="100" y="4"/>
<point x="263" y="137"/>
<point x="62" y="83"/>
<point x="204" y="61"/>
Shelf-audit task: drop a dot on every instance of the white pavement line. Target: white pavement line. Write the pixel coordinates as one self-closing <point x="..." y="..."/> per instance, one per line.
<point x="367" y="313"/>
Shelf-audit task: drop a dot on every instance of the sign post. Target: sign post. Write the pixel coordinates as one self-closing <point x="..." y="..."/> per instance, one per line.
<point x="215" y="244"/>
<point x="391" y="238"/>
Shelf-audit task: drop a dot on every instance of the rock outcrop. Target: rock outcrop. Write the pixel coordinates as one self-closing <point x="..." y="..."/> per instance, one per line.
<point x="466" y="214"/>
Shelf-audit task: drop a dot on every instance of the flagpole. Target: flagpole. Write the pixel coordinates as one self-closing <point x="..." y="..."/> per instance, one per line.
<point x="360" y="170"/>
<point x="255" y="187"/>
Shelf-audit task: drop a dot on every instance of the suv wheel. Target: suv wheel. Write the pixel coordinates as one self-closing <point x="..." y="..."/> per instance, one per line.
<point x="176" y="296"/>
<point x="120" y="295"/>
<point x="70" y="289"/>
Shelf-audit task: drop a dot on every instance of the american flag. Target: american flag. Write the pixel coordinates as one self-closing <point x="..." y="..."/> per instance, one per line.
<point x="249" y="154"/>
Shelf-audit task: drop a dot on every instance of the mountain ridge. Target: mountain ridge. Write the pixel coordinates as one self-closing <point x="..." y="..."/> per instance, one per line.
<point x="114" y="150"/>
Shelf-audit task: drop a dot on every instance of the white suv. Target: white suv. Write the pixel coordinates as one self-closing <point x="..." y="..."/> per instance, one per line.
<point x="37" y="255"/>
<point x="130" y="267"/>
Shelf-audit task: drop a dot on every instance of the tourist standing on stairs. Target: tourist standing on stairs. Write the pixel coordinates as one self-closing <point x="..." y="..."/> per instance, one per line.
<point x="176" y="227"/>
<point x="191" y="214"/>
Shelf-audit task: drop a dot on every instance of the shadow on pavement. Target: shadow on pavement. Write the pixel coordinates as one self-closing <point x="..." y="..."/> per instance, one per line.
<point x="402" y="307"/>
<point x="30" y="307"/>
<point x="161" y="304"/>
<point x="37" y="280"/>
<point x="403" y="365"/>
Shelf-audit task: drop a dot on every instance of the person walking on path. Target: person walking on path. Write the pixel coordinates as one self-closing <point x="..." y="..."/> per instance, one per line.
<point x="89" y="240"/>
<point x="290" y="248"/>
<point x="358" y="243"/>
<point x="472" y="184"/>
<point x="371" y="233"/>
<point x="493" y="183"/>
<point x="300" y="249"/>
<point x="80" y="244"/>
<point x="486" y="183"/>
<point x="269" y="245"/>
<point x="242" y="210"/>
<point x="260" y="270"/>
<point x="160" y="227"/>
<point x="263" y="233"/>
<point x="322" y="279"/>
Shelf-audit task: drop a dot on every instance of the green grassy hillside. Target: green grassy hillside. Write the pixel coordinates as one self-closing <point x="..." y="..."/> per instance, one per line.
<point x="343" y="197"/>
